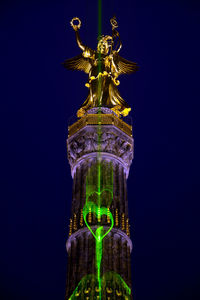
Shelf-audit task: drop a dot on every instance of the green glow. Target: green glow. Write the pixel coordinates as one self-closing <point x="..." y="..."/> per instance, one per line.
<point x="99" y="195"/>
<point x="99" y="184"/>
<point x="100" y="233"/>
<point x="88" y="286"/>
<point x="99" y="256"/>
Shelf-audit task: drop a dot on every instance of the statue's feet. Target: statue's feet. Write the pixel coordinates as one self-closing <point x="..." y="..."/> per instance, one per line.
<point x="126" y="111"/>
<point x="117" y="110"/>
<point x="80" y="113"/>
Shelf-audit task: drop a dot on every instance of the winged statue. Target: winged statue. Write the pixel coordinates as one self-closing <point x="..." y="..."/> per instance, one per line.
<point x="103" y="67"/>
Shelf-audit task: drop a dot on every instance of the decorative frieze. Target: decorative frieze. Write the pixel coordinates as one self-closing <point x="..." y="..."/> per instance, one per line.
<point x="113" y="143"/>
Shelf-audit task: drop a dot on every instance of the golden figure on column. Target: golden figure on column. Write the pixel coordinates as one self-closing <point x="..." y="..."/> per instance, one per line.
<point x="103" y="65"/>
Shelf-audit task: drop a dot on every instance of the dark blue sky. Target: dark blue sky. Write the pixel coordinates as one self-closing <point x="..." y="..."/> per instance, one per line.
<point x="38" y="97"/>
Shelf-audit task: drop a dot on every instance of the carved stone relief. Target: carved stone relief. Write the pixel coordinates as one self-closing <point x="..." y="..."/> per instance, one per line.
<point x="111" y="140"/>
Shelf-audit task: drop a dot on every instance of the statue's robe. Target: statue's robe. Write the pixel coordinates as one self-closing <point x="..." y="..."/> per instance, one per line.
<point x="103" y="71"/>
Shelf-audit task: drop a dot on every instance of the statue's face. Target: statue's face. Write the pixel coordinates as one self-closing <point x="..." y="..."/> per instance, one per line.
<point x="103" y="47"/>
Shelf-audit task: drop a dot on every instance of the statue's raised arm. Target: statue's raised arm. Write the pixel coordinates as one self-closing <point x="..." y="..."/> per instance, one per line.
<point x="76" y="28"/>
<point x="115" y="34"/>
<point x="87" y="52"/>
<point x="81" y="62"/>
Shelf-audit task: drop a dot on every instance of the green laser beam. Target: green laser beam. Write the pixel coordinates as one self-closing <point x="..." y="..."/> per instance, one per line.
<point x="99" y="230"/>
<point x="96" y="189"/>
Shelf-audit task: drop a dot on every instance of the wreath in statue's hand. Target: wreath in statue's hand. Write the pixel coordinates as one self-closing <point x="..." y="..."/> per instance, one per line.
<point x="114" y="23"/>
<point x="76" y="23"/>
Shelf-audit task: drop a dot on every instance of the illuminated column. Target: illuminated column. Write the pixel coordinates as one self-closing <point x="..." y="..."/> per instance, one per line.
<point x="116" y="148"/>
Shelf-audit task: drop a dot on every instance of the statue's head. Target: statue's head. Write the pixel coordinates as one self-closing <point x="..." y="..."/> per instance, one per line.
<point x="104" y="44"/>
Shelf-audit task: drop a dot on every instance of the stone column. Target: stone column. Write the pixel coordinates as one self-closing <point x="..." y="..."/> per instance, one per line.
<point x="116" y="146"/>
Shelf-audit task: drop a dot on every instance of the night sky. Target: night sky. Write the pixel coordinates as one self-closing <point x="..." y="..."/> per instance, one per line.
<point x="38" y="100"/>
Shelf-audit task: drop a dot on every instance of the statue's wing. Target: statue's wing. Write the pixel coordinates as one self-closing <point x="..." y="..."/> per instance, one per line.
<point x="79" y="63"/>
<point x="124" y="66"/>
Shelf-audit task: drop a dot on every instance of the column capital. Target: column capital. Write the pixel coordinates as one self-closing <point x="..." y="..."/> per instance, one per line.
<point x="115" y="145"/>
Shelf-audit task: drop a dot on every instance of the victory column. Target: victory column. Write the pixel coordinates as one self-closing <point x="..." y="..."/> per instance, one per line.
<point x="100" y="152"/>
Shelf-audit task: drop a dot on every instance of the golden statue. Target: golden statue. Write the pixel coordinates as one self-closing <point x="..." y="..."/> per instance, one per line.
<point x="103" y="66"/>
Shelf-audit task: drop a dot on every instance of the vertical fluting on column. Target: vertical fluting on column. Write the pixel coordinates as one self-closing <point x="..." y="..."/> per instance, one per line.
<point x="80" y="256"/>
<point x="121" y="196"/>
<point x="73" y="278"/>
<point x="128" y="265"/>
<point x="68" y="272"/>
<point x="116" y="253"/>
<point x="125" y="196"/>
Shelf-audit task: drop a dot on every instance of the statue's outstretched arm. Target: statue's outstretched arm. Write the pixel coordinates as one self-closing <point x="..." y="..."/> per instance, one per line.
<point x="120" y="44"/>
<point x="115" y="34"/>
<point x="79" y="42"/>
<point x="76" y="26"/>
<point x="116" y="37"/>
